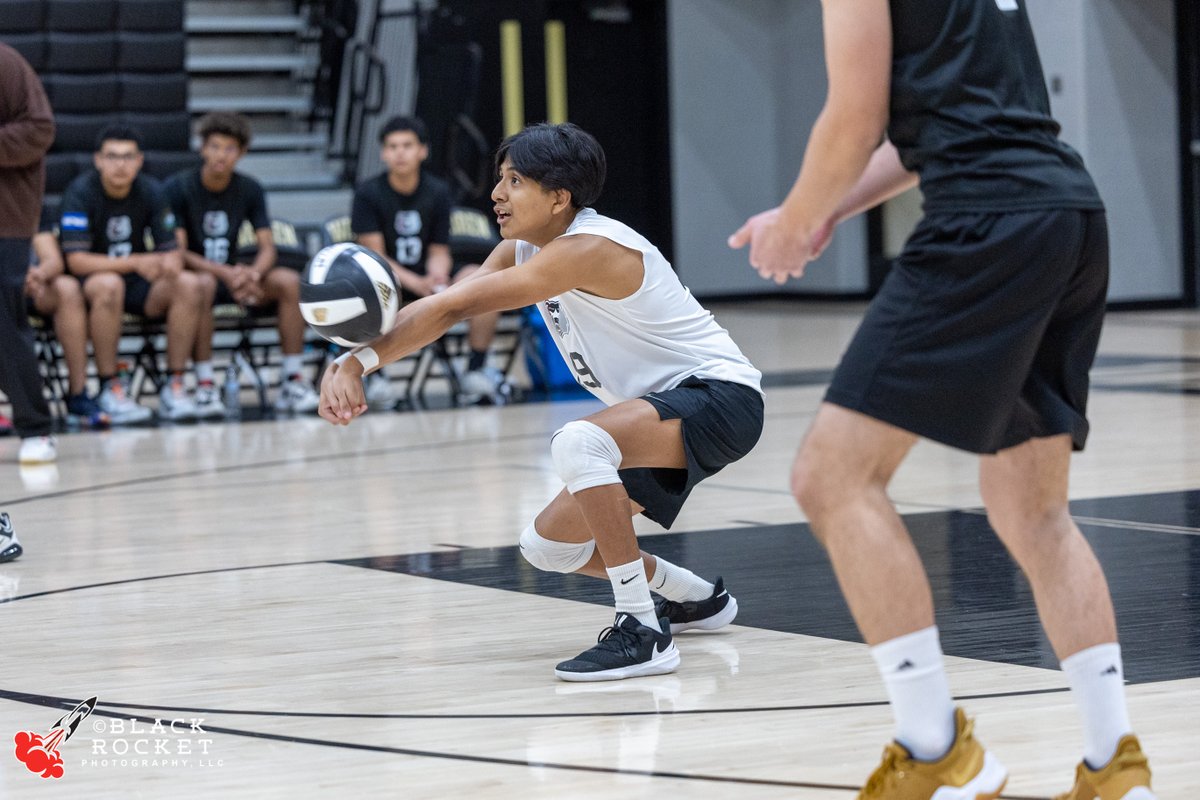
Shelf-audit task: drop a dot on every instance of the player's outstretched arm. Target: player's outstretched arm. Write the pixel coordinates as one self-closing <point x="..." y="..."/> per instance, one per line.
<point x="564" y="264"/>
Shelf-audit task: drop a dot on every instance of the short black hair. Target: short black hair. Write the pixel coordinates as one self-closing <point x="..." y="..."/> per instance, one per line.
<point x="398" y="124"/>
<point x="561" y="156"/>
<point x="225" y="123"/>
<point x="121" y="133"/>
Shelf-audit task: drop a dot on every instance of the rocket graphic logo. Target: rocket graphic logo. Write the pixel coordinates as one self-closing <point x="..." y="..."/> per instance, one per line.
<point x="40" y="753"/>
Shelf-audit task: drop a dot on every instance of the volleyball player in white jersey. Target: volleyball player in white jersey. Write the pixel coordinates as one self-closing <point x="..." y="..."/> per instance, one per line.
<point x="682" y="400"/>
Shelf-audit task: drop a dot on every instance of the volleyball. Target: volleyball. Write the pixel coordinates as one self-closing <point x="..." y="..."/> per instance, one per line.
<point x="348" y="294"/>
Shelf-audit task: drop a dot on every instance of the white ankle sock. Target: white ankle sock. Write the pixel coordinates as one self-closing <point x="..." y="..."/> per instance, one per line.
<point x="204" y="371"/>
<point x="1097" y="680"/>
<point x="915" y="676"/>
<point x="292" y="365"/>
<point x="632" y="593"/>
<point x="676" y="583"/>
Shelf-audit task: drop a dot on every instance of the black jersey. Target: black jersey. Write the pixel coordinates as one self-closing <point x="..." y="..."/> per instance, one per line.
<point x="91" y="221"/>
<point x="970" y="112"/>
<point x="213" y="220"/>
<point x="409" y="222"/>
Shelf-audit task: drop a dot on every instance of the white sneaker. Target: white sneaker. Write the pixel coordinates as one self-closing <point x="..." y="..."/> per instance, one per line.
<point x="297" y="396"/>
<point x="208" y="402"/>
<point x="120" y="407"/>
<point x="174" y="403"/>
<point x="380" y="394"/>
<point x="10" y="548"/>
<point x="487" y="382"/>
<point x="38" y="450"/>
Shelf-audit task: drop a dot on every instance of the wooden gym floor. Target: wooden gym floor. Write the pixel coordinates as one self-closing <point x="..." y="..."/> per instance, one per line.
<point x="343" y="611"/>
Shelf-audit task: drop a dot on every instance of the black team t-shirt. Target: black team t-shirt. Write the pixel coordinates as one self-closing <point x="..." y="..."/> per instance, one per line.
<point x="91" y="221"/>
<point x="970" y="112"/>
<point x="213" y="220"/>
<point x="409" y="222"/>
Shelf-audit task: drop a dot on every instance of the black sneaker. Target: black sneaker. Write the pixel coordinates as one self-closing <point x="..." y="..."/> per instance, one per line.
<point x="627" y="649"/>
<point x="86" y="411"/>
<point x="702" y="615"/>
<point x="10" y="548"/>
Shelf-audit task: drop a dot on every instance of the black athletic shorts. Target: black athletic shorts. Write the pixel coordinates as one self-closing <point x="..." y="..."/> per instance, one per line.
<point x="983" y="333"/>
<point x="721" y="423"/>
<point x="137" y="291"/>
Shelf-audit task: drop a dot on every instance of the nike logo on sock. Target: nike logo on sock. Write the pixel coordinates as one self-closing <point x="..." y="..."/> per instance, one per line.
<point x="627" y="580"/>
<point x="905" y="664"/>
<point x="1112" y="670"/>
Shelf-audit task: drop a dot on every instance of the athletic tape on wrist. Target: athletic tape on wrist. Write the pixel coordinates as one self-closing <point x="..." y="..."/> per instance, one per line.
<point x="368" y="358"/>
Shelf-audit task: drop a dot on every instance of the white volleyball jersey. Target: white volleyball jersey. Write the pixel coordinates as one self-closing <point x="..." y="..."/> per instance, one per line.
<point x="647" y="342"/>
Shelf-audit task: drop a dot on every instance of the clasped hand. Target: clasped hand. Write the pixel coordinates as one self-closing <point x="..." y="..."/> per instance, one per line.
<point x="778" y="249"/>
<point x="342" y="396"/>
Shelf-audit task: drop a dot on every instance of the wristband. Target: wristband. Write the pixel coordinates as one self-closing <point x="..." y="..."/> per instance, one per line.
<point x="368" y="358"/>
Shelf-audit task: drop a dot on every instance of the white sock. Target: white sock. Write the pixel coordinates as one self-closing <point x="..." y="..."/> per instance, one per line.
<point x="632" y="593"/>
<point x="204" y="371"/>
<point x="676" y="583"/>
<point x="915" y="676"/>
<point x="293" y="364"/>
<point x="1097" y="680"/>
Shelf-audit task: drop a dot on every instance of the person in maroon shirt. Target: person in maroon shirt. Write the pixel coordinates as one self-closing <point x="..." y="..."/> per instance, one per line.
<point x="26" y="132"/>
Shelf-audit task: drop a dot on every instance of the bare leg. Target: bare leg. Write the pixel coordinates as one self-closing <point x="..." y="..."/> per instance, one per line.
<point x="180" y="298"/>
<point x="840" y="479"/>
<point x="1025" y="491"/>
<point x="563" y="521"/>
<point x="205" y="323"/>
<point x="282" y="286"/>
<point x="105" y="294"/>
<point x="63" y="300"/>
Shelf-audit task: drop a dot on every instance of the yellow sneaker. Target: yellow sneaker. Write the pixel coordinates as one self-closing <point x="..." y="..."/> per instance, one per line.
<point x="967" y="772"/>
<point x="1126" y="777"/>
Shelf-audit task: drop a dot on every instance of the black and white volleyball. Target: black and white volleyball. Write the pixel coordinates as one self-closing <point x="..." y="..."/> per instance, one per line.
<point x="348" y="294"/>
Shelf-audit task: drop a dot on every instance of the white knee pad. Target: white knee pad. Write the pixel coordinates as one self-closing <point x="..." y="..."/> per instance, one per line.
<point x="554" y="556"/>
<point x="585" y="455"/>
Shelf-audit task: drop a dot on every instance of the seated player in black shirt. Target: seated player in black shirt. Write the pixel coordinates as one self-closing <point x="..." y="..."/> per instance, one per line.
<point x="107" y="217"/>
<point x="210" y="203"/>
<point x="54" y="294"/>
<point x="404" y="215"/>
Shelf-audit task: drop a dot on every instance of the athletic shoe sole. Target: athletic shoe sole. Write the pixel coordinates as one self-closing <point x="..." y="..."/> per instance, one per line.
<point x="11" y="552"/>
<point x="665" y="662"/>
<point x="719" y="620"/>
<point x="987" y="785"/>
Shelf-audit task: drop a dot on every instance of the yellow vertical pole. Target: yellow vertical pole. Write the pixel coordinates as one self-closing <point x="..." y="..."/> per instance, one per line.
<point x="512" y="81"/>
<point x="556" y="71"/>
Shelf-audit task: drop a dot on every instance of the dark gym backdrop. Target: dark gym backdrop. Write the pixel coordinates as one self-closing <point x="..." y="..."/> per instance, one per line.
<point x="616" y="64"/>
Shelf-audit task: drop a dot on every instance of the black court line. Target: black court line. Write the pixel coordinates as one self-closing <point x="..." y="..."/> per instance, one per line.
<point x="40" y="699"/>
<point x="512" y="762"/>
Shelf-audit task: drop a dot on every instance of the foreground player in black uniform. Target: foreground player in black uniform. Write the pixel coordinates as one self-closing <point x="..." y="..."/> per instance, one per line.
<point x="210" y="203"/>
<point x="981" y="338"/>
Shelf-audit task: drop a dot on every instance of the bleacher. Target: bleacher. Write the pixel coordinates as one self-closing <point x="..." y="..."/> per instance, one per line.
<point x="108" y="61"/>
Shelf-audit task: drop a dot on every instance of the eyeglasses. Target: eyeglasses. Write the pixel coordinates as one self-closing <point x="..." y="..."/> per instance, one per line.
<point x="123" y="158"/>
